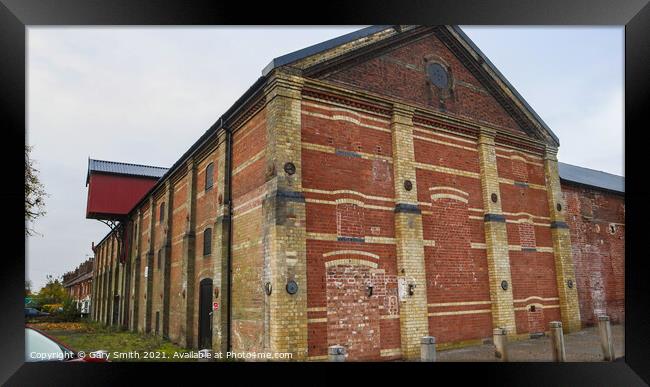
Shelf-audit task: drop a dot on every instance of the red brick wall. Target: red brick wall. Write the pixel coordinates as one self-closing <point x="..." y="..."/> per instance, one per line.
<point x="206" y="206"/>
<point x="179" y="227"/>
<point x="401" y="73"/>
<point x="159" y="263"/>
<point x="532" y="263"/>
<point x="348" y="182"/>
<point x="598" y="251"/>
<point x="452" y="217"/>
<point x="353" y="314"/>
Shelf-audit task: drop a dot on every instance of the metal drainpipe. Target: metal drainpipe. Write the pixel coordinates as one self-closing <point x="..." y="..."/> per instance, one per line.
<point x="228" y="200"/>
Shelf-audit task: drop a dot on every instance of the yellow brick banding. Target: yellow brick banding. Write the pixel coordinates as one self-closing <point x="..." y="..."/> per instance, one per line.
<point x="351" y="252"/>
<point x="459" y="312"/>
<point x="332" y="150"/>
<point x="459" y="303"/>
<point x="438" y="196"/>
<point x="351" y="261"/>
<point x="391" y="352"/>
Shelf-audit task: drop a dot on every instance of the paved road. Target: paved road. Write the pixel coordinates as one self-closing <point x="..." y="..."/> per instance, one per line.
<point x="579" y="346"/>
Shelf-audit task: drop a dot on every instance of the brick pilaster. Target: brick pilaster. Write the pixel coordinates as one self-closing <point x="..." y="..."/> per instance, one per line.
<point x="137" y="270"/>
<point x="97" y="284"/>
<point x="110" y="295"/>
<point x="221" y="231"/>
<point x="564" y="270"/>
<point x="187" y="261"/>
<point x="167" y="256"/>
<point x="414" y="322"/>
<point x="150" y="257"/>
<point x="496" y="238"/>
<point x="105" y="284"/>
<point x="125" y="275"/>
<point x="108" y="280"/>
<point x="100" y="285"/>
<point x="283" y="211"/>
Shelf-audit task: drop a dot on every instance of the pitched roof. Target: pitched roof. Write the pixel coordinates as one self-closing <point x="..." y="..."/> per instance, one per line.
<point x="592" y="178"/>
<point x="322" y="46"/>
<point x="365" y="32"/>
<point x="124" y="169"/>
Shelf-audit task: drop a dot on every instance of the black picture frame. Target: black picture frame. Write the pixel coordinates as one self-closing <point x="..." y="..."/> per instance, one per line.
<point x="17" y="15"/>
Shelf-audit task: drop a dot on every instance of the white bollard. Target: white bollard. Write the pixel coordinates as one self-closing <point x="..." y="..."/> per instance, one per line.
<point x="428" y="349"/>
<point x="336" y="353"/>
<point x="606" y="343"/>
<point x="500" y="343"/>
<point x="557" y="341"/>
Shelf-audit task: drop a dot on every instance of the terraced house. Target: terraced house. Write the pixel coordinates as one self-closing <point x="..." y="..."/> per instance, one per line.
<point x="367" y="191"/>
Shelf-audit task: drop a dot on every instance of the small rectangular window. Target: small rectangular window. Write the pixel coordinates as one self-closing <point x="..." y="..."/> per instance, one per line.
<point x="161" y="215"/>
<point x="207" y="241"/>
<point x="209" y="176"/>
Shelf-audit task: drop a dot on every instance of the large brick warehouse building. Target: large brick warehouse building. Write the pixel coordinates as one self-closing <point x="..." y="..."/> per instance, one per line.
<point x="367" y="191"/>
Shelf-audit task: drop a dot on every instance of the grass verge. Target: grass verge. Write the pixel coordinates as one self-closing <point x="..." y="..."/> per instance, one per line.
<point x="120" y="345"/>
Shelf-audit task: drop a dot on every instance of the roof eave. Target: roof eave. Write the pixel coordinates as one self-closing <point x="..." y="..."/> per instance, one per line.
<point x="591" y="186"/>
<point x="322" y="46"/>
<point x="539" y="119"/>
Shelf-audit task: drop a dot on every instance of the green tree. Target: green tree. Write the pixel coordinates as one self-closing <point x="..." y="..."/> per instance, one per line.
<point x="71" y="311"/>
<point x="53" y="292"/>
<point x="34" y="193"/>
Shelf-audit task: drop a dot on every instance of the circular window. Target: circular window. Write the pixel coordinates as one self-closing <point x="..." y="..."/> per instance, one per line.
<point x="438" y="75"/>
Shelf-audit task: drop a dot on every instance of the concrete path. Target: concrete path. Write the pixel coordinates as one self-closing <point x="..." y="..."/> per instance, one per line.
<point x="579" y="346"/>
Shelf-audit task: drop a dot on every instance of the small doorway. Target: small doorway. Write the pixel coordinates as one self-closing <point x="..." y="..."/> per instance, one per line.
<point x="205" y="314"/>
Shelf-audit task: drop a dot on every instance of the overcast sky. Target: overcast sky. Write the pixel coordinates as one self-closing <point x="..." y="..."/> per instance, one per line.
<point x="144" y="95"/>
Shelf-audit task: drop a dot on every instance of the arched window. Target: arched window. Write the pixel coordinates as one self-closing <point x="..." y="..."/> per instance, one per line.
<point x="207" y="241"/>
<point x="161" y="215"/>
<point x="209" y="176"/>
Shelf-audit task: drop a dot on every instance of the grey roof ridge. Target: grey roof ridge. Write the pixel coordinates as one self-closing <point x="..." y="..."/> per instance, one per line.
<point x="120" y="163"/>
<point x="595" y="179"/>
<point x="123" y="163"/>
<point x="322" y="46"/>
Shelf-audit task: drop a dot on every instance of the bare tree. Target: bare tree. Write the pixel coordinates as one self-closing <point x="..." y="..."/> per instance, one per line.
<point x="34" y="194"/>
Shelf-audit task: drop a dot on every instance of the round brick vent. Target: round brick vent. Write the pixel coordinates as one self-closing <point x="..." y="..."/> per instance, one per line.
<point x="408" y="185"/>
<point x="292" y="287"/>
<point x="438" y="75"/>
<point x="494" y="198"/>
<point x="504" y="285"/>
<point x="569" y="283"/>
<point x="290" y="168"/>
<point x="559" y="207"/>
